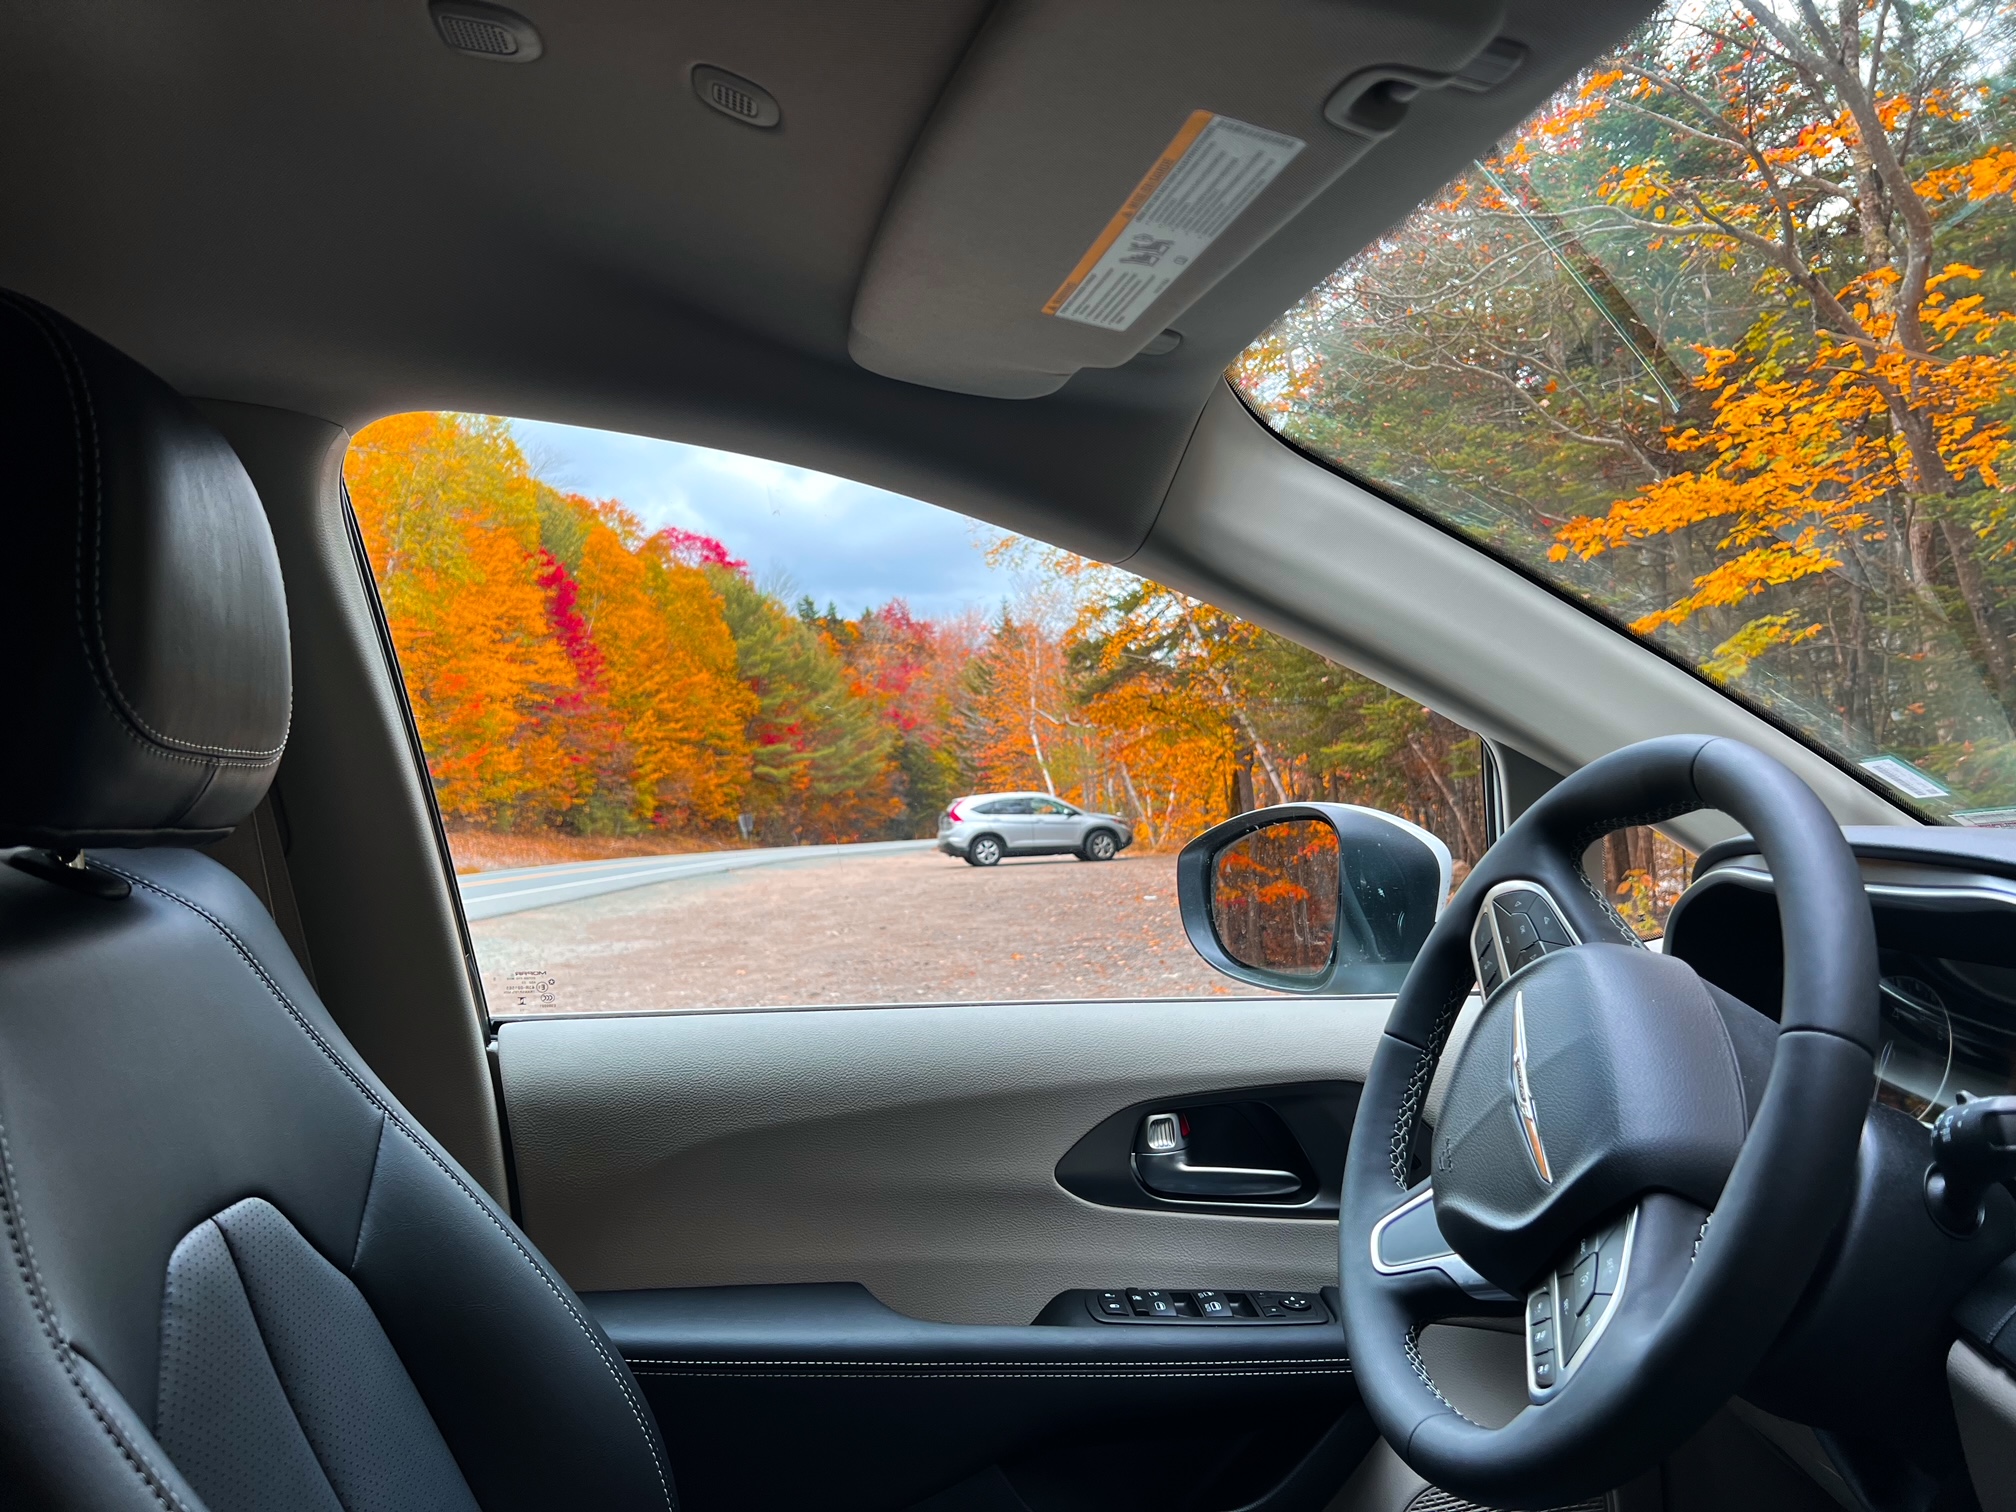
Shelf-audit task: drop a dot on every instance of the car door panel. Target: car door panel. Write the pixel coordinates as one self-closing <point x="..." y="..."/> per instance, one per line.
<point x="1013" y="819"/>
<point x="1057" y="827"/>
<point x="913" y="1150"/>
<point x="885" y="1410"/>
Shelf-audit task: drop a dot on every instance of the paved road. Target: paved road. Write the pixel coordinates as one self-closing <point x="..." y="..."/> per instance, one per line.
<point x="488" y="895"/>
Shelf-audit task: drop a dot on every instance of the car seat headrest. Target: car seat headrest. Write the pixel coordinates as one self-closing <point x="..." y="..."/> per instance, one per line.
<point x="141" y="610"/>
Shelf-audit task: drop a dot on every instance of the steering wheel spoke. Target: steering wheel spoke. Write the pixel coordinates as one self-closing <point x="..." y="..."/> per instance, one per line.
<point x="1422" y="1271"/>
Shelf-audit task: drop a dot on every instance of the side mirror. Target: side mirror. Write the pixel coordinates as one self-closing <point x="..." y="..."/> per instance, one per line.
<point x="1313" y="897"/>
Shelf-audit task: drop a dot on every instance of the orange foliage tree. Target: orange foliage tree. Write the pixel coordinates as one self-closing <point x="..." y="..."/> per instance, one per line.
<point x="571" y="670"/>
<point x="1876" y="414"/>
<point x="561" y="668"/>
<point x="450" y="518"/>
<point x="1723" y="341"/>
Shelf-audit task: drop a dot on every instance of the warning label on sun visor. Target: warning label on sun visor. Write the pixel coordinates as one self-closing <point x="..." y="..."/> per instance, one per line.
<point x="1211" y="172"/>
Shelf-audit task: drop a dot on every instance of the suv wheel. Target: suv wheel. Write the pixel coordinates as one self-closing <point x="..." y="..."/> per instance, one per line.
<point x="1100" y="845"/>
<point x="984" y="851"/>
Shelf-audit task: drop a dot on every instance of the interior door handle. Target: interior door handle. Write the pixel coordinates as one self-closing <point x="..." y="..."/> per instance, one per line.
<point x="1162" y="1166"/>
<point x="1171" y="1175"/>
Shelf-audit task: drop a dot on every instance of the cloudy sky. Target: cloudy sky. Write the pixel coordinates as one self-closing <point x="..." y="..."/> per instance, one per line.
<point x="834" y="539"/>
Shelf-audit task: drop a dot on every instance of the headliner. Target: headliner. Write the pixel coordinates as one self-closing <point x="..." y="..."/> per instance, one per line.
<point x="322" y="208"/>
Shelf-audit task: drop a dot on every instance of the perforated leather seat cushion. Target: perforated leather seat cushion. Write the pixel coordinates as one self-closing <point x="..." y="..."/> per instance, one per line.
<point x="278" y="1387"/>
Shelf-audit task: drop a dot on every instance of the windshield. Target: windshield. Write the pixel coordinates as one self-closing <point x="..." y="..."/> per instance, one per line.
<point x="1722" y="342"/>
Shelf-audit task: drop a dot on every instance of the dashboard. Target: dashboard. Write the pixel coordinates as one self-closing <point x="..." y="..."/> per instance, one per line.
<point x="1948" y="1027"/>
<point x="1944" y="902"/>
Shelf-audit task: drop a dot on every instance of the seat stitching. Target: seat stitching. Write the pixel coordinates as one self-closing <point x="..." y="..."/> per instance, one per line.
<point x="370" y="1191"/>
<point x="83" y="422"/>
<point x="1142" y="1366"/>
<point x="31" y="1281"/>
<point x="392" y="1118"/>
<point x="1400" y="1146"/>
<point x="981" y="1375"/>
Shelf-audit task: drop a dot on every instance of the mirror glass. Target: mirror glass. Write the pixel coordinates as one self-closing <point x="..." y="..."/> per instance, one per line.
<point x="1274" y="897"/>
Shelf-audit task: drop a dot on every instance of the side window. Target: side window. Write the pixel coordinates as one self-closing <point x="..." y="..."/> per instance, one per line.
<point x="646" y="674"/>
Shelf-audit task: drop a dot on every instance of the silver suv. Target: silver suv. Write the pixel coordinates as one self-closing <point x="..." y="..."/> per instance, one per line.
<point x="984" y="827"/>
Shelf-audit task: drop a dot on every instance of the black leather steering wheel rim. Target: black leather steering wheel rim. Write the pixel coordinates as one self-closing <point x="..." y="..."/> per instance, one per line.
<point x="1717" y="1291"/>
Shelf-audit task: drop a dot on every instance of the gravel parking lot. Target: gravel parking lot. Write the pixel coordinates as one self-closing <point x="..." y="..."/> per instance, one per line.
<point x="910" y="928"/>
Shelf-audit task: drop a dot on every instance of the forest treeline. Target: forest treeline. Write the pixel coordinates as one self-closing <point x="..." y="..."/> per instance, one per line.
<point x="573" y="670"/>
<point x="1724" y="338"/>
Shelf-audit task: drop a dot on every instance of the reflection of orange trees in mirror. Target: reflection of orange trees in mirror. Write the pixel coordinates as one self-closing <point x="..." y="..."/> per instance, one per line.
<point x="573" y="672"/>
<point x="1274" y="897"/>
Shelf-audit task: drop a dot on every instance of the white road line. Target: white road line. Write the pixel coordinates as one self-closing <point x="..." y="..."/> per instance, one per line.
<point x="488" y="895"/>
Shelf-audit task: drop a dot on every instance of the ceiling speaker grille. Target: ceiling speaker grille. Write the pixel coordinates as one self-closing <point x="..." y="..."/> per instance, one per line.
<point x="737" y="98"/>
<point x="470" y="35"/>
<point x="478" y="29"/>
<point x="735" y="101"/>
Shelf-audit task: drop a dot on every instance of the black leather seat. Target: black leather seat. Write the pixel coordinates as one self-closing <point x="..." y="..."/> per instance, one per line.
<point x="238" y="1275"/>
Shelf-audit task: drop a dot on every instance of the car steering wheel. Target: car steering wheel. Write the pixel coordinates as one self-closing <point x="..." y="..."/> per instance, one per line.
<point x="1645" y="1168"/>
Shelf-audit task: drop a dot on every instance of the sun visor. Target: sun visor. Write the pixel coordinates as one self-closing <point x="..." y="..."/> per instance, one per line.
<point x="1094" y="168"/>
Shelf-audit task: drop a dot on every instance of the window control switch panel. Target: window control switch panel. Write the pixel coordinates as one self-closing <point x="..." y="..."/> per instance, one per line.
<point x="1134" y="1304"/>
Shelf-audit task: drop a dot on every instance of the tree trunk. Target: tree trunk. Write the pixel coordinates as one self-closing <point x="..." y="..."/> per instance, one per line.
<point x="1980" y="604"/>
<point x="1466" y="840"/>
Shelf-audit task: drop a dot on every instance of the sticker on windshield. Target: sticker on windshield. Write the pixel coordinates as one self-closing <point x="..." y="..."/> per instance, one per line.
<point x="1212" y="171"/>
<point x="1904" y="777"/>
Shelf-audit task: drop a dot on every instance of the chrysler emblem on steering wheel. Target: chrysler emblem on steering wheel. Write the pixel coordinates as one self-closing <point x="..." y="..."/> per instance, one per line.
<point x="1523" y="1093"/>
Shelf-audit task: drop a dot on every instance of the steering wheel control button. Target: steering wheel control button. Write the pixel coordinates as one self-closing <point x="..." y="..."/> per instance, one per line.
<point x="1610" y="1263"/>
<point x="1518" y="933"/>
<point x="1516" y="925"/>
<point x="1484" y="951"/>
<point x="1540" y="1338"/>
<point x="1548" y="927"/>
<point x="1579" y="1331"/>
<point x="1540" y="1306"/>
<point x="1543" y="1370"/>
<point x="1579" y="1285"/>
